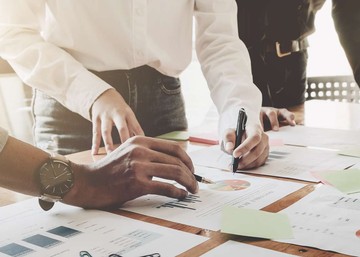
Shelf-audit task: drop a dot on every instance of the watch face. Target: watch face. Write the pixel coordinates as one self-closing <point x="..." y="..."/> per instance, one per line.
<point x="55" y="178"/>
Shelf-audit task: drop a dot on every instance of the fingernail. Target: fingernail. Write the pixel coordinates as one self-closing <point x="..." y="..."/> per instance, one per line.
<point x="275" y="128"/>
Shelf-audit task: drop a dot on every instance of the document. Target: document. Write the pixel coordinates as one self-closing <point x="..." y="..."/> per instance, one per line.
<point x="242" y="250"/>
<point x="326" y="219"/>
<point x="284" y="161"/>
<point x="204" y="209"/>
<point x="65" y="231"/>
<point x="336" y="139"/>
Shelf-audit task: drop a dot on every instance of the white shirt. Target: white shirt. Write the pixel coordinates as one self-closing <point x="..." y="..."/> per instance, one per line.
<point x="3" y="138"/>
<point x="51" y="44"/>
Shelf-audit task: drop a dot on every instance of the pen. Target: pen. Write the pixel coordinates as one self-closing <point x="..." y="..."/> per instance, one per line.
<point x="240" y="129"/>
<point x="203" y="180"/>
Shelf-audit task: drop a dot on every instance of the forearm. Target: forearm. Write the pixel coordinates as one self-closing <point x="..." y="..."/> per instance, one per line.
<point x="19" y="162"/>
<point x="225" y="63"/>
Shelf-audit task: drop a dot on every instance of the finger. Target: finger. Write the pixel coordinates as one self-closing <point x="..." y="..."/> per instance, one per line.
<point x="122" y="128"/>
<point x="178" y="173"/>
<point x="229" y="140"/>
<point x="288" y="116"/>
<point x="106" y="128"/>
<point x="166" y="189"/>
<point x="144" y="172"/>
<point x="165" y="151"/>
<point x="252" y="140"/>
<point x="96" y="137"/>
<point x="135" y="126"/>
<point x="255" y="158"/>
<point x="178" y="169"/>
<point x="272" y="115"/>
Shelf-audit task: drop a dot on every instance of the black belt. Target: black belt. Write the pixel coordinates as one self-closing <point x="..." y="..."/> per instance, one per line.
<point x="285" y="48"/>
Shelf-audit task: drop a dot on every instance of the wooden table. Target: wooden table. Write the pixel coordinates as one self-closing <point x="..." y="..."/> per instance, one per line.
<point x="312" y="113"/>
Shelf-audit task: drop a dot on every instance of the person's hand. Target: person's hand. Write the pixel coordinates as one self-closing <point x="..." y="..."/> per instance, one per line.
<point x="272" y="117"/>
<point x="128" y="172"/>
<point x="254" y="149"/>
<point x="108" y="110"/>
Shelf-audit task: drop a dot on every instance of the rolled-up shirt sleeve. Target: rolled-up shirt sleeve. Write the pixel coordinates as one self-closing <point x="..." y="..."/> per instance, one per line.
<point x="41" y="64"/>
<point x="225" y="62"/>
<point x="3" y="138"/>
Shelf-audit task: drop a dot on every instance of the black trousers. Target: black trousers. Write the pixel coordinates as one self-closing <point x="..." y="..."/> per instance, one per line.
<point x="281" y="80"/>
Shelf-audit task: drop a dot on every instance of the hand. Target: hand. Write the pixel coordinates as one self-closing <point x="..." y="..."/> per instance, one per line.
<point x="272" y="117"/>
<point x="128" y="172"/>
<point x="108" y="110"/>
<point x="254" y="149"/>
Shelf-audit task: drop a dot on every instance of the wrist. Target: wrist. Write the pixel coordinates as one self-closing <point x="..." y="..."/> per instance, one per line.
<point x="76" y="194"/>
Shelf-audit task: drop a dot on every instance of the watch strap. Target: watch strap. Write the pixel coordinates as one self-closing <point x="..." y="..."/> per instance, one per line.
<point x="59" y="157"/>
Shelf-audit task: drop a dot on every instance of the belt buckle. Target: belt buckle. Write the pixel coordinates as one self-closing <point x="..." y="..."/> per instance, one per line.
<point x="278" y="51"/>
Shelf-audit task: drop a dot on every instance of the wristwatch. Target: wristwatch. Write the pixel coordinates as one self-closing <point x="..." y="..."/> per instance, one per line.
<point x="56" y="179"/>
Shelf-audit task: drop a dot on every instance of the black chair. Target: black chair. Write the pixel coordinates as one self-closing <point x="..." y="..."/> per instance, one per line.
<point x="334" y="88"/>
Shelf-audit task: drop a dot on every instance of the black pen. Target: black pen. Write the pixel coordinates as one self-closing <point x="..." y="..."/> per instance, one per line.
<point x="203" y="180"/>
<point x="240" y="129"/>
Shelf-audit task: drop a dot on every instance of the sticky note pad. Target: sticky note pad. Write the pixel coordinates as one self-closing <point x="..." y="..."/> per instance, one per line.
<point x="351" y="151"/>
<point x="175" y="135"/>
<point x="255" y="223"/>
<point x="347" y="181"/>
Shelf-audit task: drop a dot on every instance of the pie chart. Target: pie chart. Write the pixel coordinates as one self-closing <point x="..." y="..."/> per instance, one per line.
<point x="230" y="185"/>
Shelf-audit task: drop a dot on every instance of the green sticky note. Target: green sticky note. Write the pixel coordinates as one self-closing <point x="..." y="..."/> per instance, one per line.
<point x="347" y="181"/>
<point x="255" y="223"/>
<point x="175" y="135"/>
<point x="352" y="151"/>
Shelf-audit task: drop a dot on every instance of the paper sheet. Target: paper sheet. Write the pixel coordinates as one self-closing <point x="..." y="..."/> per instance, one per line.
<point x="65" y="231"/>
<point x="242" y="250"/>
<point x="317" y="137"/>
<point x="255" y="223"/>
<point x="326" y="219"/>
<point x="204" y="209"/>
<point x="284" y="161"/>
